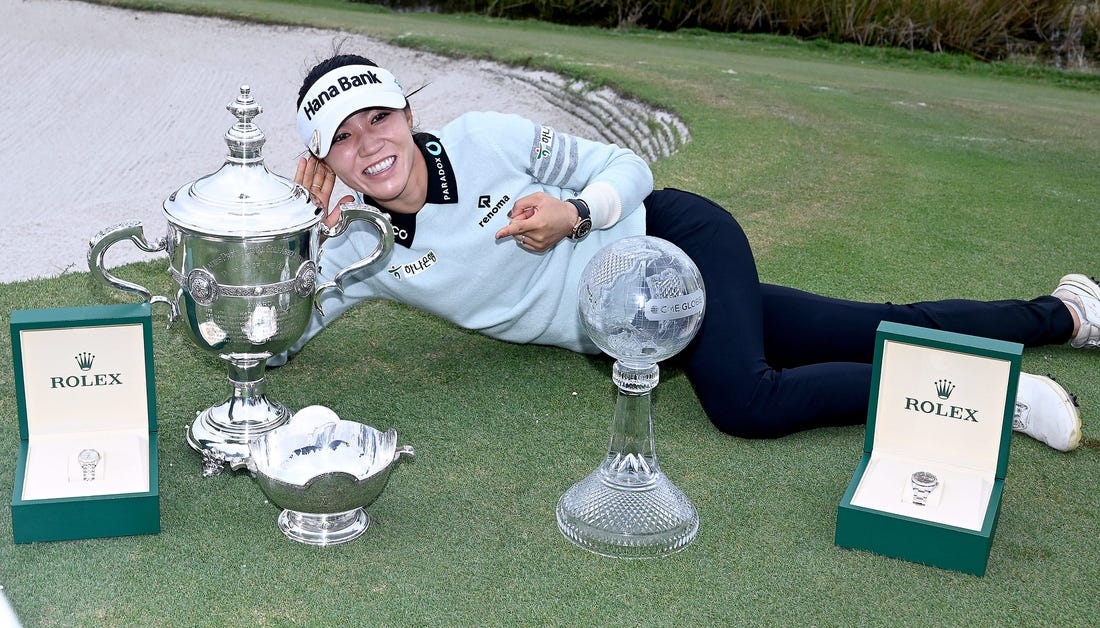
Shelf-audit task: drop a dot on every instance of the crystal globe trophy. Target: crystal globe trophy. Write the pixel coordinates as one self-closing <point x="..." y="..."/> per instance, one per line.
<point x="641" y="301"/>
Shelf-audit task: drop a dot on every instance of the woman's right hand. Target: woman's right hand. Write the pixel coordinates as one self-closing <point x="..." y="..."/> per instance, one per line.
<point x="315" y="176"/>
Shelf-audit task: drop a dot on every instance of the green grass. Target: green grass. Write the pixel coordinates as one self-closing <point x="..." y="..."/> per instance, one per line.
<point x="854" y="175"/>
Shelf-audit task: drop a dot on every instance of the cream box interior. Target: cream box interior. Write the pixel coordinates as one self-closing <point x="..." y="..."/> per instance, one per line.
<point x="950" y="424"/>
<point x="85" y="389"/>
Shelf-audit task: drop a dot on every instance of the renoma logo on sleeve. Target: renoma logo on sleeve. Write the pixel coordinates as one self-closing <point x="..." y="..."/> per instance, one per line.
<point x="85" y="360"/>
<point x="943" y="388"/>
<point x="342" y="84"/>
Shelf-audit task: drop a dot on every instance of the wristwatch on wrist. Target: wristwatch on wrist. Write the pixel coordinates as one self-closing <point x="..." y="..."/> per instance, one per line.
<point x="584" y="219"/>
<point x="923" y="484"/>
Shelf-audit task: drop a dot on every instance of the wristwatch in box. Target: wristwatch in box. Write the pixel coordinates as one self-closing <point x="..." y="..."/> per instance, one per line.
<point x="88" y="460"/>
<point x="923" y="484"/>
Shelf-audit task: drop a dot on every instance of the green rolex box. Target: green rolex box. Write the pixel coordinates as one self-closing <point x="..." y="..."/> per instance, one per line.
<point x="87" y="463"/>
<point x="941" y="403"/>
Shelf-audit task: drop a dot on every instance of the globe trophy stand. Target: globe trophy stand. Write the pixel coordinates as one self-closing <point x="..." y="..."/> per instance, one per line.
<point x="628" y="508"/>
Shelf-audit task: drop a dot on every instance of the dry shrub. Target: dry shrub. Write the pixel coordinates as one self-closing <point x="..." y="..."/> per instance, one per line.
<point x="982" y="28"/>
<point x="1066" y="30"/>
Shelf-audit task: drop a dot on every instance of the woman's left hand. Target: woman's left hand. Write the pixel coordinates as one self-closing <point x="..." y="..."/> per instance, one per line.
<point x="539" y="221"/>
<point x="314" y="175"/>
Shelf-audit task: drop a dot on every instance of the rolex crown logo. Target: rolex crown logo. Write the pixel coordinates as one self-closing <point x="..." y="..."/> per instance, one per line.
<point x="85" y="359"/>
<point x="944" y="388"/>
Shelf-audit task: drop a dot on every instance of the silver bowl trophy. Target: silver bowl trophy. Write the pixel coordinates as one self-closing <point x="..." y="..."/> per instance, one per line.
<point x="641" y="301"/>
<point x="244" y="246"/>
<point x="323" y="472"/>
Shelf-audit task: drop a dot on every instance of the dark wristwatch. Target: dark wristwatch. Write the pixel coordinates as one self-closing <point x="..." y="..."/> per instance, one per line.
<point x="584" y="219"/>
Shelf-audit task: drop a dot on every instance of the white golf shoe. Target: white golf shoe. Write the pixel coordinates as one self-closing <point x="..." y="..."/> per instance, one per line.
<point x="1046" y="412"/>
<point x="1083" y="295"/>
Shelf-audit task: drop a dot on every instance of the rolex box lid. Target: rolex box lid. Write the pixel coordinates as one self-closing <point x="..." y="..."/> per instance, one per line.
<point x="941" y="403"/>
<point x="86" y="400"/>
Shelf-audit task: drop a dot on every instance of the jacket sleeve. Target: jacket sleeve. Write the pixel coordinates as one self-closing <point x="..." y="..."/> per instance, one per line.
<point x="612" y="180"/>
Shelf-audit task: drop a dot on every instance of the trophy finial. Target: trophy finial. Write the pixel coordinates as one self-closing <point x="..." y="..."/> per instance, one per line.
<point x="244" y="138"/>
<point x="245" y="107"/>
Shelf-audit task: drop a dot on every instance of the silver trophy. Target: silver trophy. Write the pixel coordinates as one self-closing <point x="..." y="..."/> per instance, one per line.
<point x="244" y="246"/>
<point x="323" y="472"/>
<point x="641" y="301"/>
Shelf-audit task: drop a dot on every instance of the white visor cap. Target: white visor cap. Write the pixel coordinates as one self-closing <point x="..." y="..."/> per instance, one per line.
<point x="340" y="93"/>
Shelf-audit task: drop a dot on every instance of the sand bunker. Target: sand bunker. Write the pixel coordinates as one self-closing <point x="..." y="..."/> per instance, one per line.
<point x="109" y="111"/>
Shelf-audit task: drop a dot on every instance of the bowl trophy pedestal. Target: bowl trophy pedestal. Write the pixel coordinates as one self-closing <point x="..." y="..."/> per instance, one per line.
<point x="323" y="472"/>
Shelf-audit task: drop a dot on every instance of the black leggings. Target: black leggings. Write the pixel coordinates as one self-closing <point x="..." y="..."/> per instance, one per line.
<point x="769" y="361"/>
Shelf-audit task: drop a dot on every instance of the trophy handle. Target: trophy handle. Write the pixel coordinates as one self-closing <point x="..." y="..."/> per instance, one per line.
<point x="406" y="451"/>
<point x="350" y="212"/>
<point x="132" y="230"/>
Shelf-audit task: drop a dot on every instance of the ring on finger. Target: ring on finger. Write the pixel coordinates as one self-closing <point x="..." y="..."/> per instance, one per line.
<point x="522" y="239"/>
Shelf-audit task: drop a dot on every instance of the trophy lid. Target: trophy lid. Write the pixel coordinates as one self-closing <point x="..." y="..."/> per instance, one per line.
<point x="243" y="198"/>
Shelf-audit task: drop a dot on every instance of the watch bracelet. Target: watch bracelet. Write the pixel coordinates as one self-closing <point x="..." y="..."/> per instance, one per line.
<point x="582" y="207"/>
<point x="583" y="226"/>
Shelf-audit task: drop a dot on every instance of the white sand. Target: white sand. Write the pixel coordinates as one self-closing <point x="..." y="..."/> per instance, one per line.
<point x="108" y="111"/>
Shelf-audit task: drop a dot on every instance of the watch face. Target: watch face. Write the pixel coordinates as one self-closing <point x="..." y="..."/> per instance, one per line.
<point x="89" y="456"/>
<point x="924" y="478"/>
<point x="582" y="229"/>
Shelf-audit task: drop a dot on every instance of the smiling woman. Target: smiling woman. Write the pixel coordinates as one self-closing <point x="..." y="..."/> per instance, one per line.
<point x="768" y="360"/>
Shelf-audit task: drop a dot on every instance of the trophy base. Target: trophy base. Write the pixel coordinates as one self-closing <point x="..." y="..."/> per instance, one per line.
<point x="324" y="530"/>
<point x="221" y="433"/>
<point x="627" y="521"/>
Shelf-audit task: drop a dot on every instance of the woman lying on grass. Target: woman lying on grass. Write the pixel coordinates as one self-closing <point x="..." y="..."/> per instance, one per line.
<point x="496" y="216"/>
